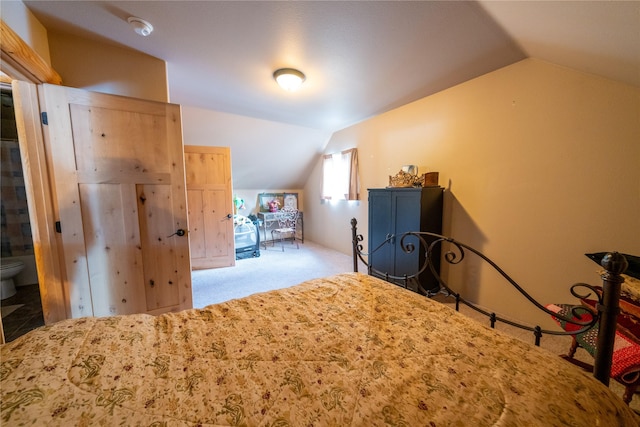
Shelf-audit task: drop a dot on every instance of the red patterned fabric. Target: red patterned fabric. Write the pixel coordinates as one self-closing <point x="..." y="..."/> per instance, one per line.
<point x="628" y="320"/>
<point x="626" y="352"/>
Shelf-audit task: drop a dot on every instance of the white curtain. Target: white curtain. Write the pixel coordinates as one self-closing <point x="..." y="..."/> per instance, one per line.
<point x="340" y="179"/>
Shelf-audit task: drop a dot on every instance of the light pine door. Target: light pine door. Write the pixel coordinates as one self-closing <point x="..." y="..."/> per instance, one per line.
<point x="208" y="171"/>
<point x="118" y="180"/>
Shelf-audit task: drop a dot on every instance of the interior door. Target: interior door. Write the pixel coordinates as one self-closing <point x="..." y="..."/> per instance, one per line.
<point x="210" y="203"/>
<point x="117" y="173"/>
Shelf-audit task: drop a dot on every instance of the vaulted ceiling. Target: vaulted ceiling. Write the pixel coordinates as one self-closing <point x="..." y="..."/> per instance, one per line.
<point x="361" y="58"/>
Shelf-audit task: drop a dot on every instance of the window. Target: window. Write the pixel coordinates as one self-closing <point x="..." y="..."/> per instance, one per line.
<point x="340" y="179"/>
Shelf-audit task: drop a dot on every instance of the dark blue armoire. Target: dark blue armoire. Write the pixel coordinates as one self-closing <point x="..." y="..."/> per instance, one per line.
<point x="398" y="210"/>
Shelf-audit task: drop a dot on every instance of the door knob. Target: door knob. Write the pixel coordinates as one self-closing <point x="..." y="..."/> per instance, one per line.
<point x="179" y="232"/>
<point x="229" y="216"/>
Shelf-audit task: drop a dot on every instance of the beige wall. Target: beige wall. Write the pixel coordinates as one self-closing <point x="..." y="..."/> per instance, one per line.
<point x="102" y="67"/>
<point x="264" y="154"/>
<point x="89" y="64"/>
<point x="31" y="31"/>
<point x="540" y="163"/>
<point x="255" y="145"/>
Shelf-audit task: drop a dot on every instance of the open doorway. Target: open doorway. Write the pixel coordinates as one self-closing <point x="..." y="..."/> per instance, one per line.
<point x="20" y="297"/>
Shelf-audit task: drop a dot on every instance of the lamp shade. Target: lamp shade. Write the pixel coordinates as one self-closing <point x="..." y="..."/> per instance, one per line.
<point x="289" y="79"/>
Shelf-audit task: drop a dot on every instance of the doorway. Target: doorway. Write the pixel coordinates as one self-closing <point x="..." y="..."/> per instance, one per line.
<point x="22" y="310"/>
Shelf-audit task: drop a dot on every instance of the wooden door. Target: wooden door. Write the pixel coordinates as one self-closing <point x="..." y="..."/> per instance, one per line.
<point x="117" y="174"/>
<point x="210" y="204"/>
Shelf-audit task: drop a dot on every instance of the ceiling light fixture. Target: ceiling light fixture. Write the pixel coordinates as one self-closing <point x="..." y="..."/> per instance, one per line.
<point x="289" y="78"/>
<point x="140" y="26"/>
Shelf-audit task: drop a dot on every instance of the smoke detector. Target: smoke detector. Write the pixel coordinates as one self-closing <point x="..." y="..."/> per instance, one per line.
<point x="140" y="26"/>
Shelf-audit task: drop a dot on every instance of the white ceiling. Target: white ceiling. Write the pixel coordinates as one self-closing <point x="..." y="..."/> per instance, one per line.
<point x="361" y="58"/>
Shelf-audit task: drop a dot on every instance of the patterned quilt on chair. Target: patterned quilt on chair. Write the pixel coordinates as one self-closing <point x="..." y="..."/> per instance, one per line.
<point x="347" y="350"/>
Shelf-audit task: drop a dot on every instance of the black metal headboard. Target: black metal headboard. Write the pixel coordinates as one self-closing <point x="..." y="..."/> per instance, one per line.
<point x="607" y="307"/>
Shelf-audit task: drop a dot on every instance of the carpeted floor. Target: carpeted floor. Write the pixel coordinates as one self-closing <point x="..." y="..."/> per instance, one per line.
<point x="273" y="269"/>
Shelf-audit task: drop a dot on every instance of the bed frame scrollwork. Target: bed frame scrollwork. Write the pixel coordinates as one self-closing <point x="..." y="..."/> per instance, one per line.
<point x="607" y="301"/>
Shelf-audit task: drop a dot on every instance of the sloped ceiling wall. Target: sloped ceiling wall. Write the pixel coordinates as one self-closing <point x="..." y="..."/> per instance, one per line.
<point x="264" y="154"/>
<point x="398" y="52"/>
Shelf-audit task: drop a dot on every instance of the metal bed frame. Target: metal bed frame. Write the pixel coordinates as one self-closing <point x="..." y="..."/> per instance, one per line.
<point x="607" y="307"/>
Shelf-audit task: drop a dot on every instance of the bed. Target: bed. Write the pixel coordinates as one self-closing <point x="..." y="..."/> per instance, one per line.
<point x="345" y="350"/>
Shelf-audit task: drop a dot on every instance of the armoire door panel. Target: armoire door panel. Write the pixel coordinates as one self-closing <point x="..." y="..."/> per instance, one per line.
<point x="380" y="227"/>
<point x="406" y="214"/>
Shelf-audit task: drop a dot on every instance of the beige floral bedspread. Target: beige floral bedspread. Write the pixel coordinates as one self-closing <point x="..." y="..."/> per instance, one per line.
<point x="348" y="350"/>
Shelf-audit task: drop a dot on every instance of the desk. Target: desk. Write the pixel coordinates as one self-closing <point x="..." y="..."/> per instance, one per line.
<point x="269" y="219"/>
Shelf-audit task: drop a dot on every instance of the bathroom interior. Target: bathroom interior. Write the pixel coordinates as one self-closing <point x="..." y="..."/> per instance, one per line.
<point x="19" y="292"/>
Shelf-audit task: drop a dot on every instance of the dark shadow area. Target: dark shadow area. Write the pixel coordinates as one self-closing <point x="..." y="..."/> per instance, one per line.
<point x="26" y="317"/>
<point x="465" y="277"/>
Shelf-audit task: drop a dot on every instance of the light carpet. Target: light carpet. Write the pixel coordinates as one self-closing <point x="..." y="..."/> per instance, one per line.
<point x="273" y="269"/>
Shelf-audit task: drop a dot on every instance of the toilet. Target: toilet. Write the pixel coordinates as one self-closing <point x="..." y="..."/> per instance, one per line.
<point x="7" y="273"/>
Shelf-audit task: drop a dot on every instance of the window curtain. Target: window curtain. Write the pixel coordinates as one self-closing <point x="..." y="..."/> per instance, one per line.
<point x="340" y="179"/>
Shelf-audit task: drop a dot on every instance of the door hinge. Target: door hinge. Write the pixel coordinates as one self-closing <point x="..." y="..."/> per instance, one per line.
<point x="58" y="227"/>
<point x="45" y="119"/>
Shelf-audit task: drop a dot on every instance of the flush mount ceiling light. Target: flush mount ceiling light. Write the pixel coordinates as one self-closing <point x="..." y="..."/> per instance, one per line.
<point x="140" y="26"/>
<point x="289" y="78"/>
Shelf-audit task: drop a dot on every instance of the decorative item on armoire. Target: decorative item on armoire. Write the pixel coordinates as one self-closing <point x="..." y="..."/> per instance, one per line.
<point x="410" y="169"/>
<point x="430" y="179"/>
<point x="402" y="180"/>
<point x="405" y="179"/>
